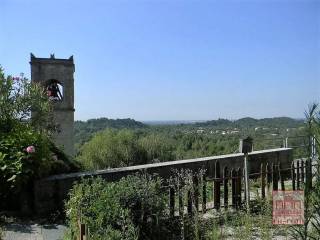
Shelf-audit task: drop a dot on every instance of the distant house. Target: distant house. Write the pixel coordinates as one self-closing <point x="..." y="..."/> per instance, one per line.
<point x="200" y="131"/>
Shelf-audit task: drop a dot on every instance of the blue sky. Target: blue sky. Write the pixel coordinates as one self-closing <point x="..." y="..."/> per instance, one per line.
<point x="174" y="59"/>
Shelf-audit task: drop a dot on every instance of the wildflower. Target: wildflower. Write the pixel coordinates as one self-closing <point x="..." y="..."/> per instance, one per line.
<point x="30" y="149"/>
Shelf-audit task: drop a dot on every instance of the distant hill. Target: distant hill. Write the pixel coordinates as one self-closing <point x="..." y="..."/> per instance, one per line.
<point x="215" y="123"/>
<point x="171" y="122"/>
<point x="83" y="130"/>
<point x="280" y="122"/>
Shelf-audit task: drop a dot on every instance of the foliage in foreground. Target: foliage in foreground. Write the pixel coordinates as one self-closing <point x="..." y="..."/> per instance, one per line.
<point x="138" y="205"/>
<point x="129" y="209"/>
<point x="135" y="208"/>
<point x="311" y="227"/>
<point x="26" y="152"/>
<point x="24" y="146"/>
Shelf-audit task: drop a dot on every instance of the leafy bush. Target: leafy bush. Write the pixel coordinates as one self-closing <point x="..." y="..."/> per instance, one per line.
<point x="129" y="209"/>
<point x="24" y="144"/>
<point x="111" y="148"/>
<point x="26" y="152"/>
<point x="311" y="227"/>
<point x="158" y="147"/>
<point x="84" y="130"/>
<point x="17" y="166"/>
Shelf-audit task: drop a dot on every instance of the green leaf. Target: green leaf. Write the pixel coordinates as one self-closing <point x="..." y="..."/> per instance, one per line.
<point x="4" y="167"/>
<point x="12" y="178"/>
<point x="2" y="156"/>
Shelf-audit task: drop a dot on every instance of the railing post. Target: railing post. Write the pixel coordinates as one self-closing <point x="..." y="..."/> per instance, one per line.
<point x="82" y="231"/>
<point x="180" y="193"/>
<point x="274" y="177"/>
<point x="238" y="187"/>
<point x="204" y="194"/>
<point x="309" y="163"/>
<point x="246" y="180"/>
<point x="269" y="177"/>
<point x="302" y="171"/>
<point x="225" y="186"/>
<point x="189" y="207"/>
<point x="308" y="174"/>
<point x="263" y="181"/>
<point x="247" y="146"/>
<point x="281" y="177"/>
<point x="245" y="189"/>
<point x="233" y="187"/>
<point x="298" y="174"/>
<point x="171" y="201"/>
<point x="196" y="192"/>
<point x="217" y="185"/>
<point x="293" y="176"/>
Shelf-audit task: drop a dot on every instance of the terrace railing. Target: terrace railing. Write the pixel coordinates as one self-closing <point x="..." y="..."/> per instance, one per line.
<point x="50" y="193"/>
<point x="220" y="184"/>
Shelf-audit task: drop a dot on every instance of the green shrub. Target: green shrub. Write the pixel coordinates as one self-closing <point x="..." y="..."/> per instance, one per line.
<point x="128" y="209"/>
<point x="26" y="152"/>
<point x="264" y="219"/>
<point x="311" y="227"/>
<point x="111" y="148"/>
<point x="214" y="231"/>
<point x="17" y="166"/>
<point x="18" y="131"/>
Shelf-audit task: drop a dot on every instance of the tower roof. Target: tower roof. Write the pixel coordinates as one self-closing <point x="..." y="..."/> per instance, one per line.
<point x="51" y="60"/>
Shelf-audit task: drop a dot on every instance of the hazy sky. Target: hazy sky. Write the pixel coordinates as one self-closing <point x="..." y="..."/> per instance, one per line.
<point x="173" y="60"/>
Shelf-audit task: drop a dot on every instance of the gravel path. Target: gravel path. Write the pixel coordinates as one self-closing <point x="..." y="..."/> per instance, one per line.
<point x="24" y="231"/>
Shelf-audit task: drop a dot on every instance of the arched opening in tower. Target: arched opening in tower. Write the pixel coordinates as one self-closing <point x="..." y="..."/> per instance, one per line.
<point x="54" y="90"/>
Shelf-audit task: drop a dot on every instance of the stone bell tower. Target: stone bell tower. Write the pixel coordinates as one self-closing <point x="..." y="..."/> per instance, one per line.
<point x="56" y="76"/>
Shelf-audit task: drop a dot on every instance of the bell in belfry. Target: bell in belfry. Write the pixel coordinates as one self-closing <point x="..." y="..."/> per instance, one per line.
<point x="53" y="91"/>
